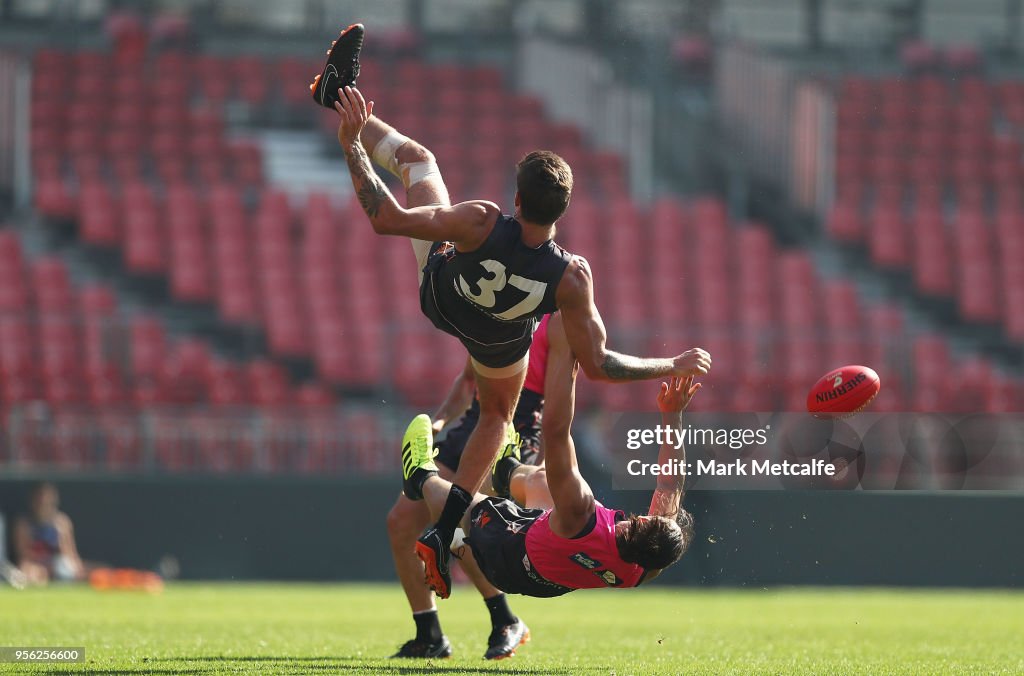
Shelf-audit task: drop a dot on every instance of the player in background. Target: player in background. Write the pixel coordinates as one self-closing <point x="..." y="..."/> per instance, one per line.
<point x="485" y="277"/>
<point x="408" y="518"/>
<point x="563" y="539"/>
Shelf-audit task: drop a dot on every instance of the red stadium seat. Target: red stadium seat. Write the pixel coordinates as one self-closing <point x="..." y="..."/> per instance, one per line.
<point x="226" y="386"/>
<point x="98" y="215"/>
<point x="888" y="240"/>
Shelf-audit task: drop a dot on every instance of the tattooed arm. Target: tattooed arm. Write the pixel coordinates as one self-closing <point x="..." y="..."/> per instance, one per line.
<point x="667" y="501"/>
<point x="465" y="224"/>
<point x="587" y="337"/>
<point x="673" y="398"/>
<point x="372" y="193"/>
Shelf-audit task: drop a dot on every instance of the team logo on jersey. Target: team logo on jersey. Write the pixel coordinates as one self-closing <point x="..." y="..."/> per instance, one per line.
<point x="610" y="578"/>
<point x="482" y="519"/>
<point x="583" y="560"/>
<point x="515" y="527"/>
<point x="447" y="250"/>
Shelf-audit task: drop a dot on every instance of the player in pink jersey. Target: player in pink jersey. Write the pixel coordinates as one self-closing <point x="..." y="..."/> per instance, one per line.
<point x="562" y="539"/>
<point x="408" y="518"/>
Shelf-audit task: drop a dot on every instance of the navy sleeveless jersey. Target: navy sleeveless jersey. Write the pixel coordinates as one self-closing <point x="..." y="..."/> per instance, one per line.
<point x="492" y="298"/>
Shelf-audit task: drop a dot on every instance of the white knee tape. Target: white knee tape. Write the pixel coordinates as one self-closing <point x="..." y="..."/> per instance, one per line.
<point x="412" y="173"/>
<point x="385" y="153"/>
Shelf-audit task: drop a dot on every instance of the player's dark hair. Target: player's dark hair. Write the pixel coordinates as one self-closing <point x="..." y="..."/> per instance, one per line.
<point x="655" y="542"/>
<point x="544" y="182"/>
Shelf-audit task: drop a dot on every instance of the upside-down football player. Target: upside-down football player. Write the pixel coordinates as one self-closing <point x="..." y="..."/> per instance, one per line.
<point x="408" y="518"/>
<point x="485" y="277"/>
<point x="561" y="538"/>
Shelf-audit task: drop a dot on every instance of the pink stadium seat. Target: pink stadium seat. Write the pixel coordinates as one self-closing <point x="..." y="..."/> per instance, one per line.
<point x="972" y="383"/>
<point x="54" y="200"/>
<point x="314" y="395"/>
<point x="708" y="213"/>
<point x="18" y="361"/>
<point x="252" y="76"/>
<point x="146" y="346"/>
<point x="247" y="162"/>
<point x="130" y="88"/>
<point x="928" y="169"/>
<point x="978" y="294"/>
<point x="888" y="239"/>
<point x="105" y="387"/>
<point x="932" y="261"/>
<point x="172" y="169"/>
<point x="170" y="89"/>
<point x="292" y="72"/>
<point x="52" y="285"/>
<point x="226" y="386"/>
<point x="144" y="245"/>
<point x="170" y="120"/>
<point x="98" y="215"/>
<point x="841" y="306"/>
<point x="215" y="79"/>
<point x="1013" y="300"/>
<point x="857" y="87"/>
<point x="190" y="281"/>
<point x="14" y="292"/>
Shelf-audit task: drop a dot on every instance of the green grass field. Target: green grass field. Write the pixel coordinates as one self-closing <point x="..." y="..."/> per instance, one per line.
<point x="301" y="629"/>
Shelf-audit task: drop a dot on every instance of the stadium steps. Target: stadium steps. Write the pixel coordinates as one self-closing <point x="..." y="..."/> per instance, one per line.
<point x="295" y="162"/>
<point x="834" y="262"/>
<point x="86" y="265"/>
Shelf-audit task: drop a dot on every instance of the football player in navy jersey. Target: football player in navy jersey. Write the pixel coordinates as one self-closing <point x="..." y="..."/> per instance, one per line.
<point x="486" y="278"/>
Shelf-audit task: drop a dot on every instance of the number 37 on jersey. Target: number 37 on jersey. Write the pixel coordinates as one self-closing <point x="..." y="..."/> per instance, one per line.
<point x="492" y="287"/>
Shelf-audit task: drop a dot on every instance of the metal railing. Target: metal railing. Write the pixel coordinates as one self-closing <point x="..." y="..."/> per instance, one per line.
<point x="168" y="439"/>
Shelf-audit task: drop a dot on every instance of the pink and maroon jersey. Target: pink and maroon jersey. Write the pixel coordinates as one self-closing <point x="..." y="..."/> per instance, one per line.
<point x="538" y="358"/>
<point x="586" y="562"/>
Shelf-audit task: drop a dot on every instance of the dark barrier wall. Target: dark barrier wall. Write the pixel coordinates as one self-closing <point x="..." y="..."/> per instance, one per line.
<point x="221" y="528"/>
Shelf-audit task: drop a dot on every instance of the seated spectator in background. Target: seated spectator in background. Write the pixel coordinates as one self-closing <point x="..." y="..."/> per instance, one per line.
<point x="44" y="541"/>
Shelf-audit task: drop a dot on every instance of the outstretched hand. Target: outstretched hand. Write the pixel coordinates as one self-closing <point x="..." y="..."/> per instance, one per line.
<point x="674" y="397"/>
<point x="695" y="362"/>
<point x="354" y="111"/>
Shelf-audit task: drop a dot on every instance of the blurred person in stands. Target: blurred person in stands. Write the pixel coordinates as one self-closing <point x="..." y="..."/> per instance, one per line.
<point x="44" y="540"/>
